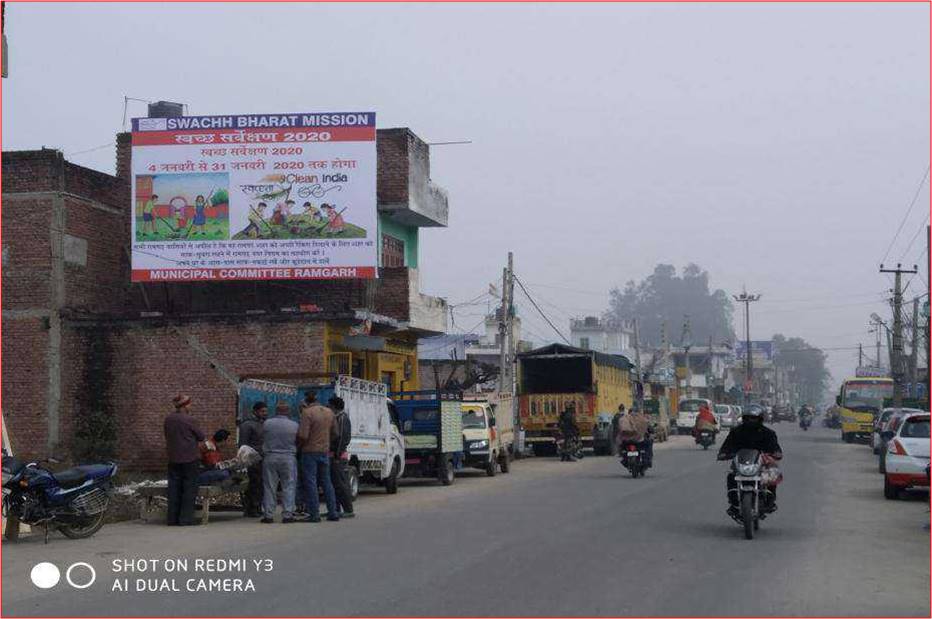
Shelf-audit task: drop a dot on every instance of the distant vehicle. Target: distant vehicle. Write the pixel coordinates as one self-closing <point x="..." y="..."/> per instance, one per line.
<point x="879" y="422"/>
<point x="687" y="413"/>
<point x="602" y="435"/>
<point x="658" y="415"/>
<point x="784" y="413"/>
<point x="907" y="456"/>
<point x="859" y="400"/>
<point x="727" y="415"/>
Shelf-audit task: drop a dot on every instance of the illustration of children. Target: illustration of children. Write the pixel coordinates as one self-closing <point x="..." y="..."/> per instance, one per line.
<point x="256" y="221"/>
<point x="200" y="217"/>
<point x="335" y="223"/>
<point x="278" y="215"/>
<point x="148" y="215"/>
<point x="311" y="214"/>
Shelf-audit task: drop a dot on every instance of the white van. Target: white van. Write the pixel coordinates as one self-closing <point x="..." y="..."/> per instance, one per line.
<point x="687" y="412"/>
<point x="488" y="433"/>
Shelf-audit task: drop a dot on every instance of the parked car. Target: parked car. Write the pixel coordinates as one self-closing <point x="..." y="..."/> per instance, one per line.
<point x="888" y="431"/>
<point x="879" y="422"/>
<point x="907" y="456"/>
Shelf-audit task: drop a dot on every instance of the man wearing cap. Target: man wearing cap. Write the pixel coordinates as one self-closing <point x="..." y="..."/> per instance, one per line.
<point x="182" y="438"/>
<point x="278" y="463"/>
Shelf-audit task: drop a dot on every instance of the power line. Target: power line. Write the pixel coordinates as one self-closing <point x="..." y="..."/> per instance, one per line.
<point x="909" y="210"/>
<point x="537" y="307"/>
<point x="919" y="230"/>
<point x="90" y="150"/>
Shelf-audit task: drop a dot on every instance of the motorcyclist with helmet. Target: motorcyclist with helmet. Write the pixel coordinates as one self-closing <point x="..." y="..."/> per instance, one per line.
<point x="750" y="434"/>
<point x="805" y="416"/>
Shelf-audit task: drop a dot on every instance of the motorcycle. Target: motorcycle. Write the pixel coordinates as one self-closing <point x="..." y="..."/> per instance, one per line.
<point x="706" y="438"/>
<point x="74" y="501"/>
<point x="632" y="459"/>
<point x="571" y="447"/>
<point x="804" y="422"/>
<point x="753" y="482"/>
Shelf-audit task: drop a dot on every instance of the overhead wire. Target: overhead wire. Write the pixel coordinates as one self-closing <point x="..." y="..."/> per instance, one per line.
<point x="909" y="210"/>
<point x="540" y="311"/>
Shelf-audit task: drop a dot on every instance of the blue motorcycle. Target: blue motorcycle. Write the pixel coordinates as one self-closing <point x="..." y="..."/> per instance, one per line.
<point x="74" y="501"/>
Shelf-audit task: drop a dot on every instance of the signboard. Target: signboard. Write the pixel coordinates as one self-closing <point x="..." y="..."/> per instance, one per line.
<point x="759" y="350"/>
<point x="866" y="371"/>
<point x="273" y="196"/>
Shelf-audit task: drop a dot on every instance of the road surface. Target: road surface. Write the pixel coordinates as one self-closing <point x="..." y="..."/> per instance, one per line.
<point x="550" y="538"/>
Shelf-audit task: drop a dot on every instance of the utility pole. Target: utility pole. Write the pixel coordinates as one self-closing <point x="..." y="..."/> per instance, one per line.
<point x="686" y="341"/>
<point x="896" y="354"/>
<point x="506" y="336"/>
<point x="747" y="299"/>
<point x="914" y="351"/>
<point x="639" y="391"/>
<point x="860" y="355"/>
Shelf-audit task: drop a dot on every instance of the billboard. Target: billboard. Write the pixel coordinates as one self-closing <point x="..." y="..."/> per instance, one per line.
<point x="760" y="350"/>
<point x="266" y="196"/>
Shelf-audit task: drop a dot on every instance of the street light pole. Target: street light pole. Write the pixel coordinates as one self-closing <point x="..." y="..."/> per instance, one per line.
<point x="747" y="299"/>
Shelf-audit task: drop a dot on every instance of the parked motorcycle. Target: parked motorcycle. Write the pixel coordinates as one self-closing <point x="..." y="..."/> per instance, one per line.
<point x="74" y="501"/>
<point x="706" y="438"/>
<point x="755" y="499"/>
<point x="633" y="460"/>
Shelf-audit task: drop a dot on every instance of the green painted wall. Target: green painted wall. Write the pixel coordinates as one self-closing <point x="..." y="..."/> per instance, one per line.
<point x="405" y="233"/>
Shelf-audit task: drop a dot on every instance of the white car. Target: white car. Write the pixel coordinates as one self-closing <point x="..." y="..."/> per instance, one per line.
<point x="727" y="415"/>
<point x="907" y="459"/>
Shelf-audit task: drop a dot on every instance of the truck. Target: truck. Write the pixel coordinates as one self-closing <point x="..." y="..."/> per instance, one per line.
<point x="555" y="377"/>
<point x="488" y="433"/>
<point x="376" y="449"/>
<point x="431" y="423"/>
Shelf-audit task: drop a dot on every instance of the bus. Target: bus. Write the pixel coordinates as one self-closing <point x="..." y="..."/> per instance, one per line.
<point x="859" y="401"/>
<point x="555" y="377"/>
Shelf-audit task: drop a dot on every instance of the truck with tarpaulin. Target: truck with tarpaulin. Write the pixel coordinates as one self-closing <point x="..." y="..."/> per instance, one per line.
<point x="376" y="449"/>
<point x="432" y="425"/>
<point x="554" y="377"/>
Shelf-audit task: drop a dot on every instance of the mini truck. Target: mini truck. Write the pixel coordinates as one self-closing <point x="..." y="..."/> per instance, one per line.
<point x="376" y="449"/>
<point x="488" y="434"/>
<point x="432" y="425"/>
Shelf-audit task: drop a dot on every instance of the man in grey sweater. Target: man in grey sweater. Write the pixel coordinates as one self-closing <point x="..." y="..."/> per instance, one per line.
<point x="279" y="434"/>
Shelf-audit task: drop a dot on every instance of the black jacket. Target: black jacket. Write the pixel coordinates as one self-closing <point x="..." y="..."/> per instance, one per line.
<point x="751" y="436"/>
<point x="250" y="432"/>
<point x="342" y="435"/>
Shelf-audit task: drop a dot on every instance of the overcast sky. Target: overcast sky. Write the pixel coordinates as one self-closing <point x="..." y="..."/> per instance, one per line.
<point x="777" y="146"/>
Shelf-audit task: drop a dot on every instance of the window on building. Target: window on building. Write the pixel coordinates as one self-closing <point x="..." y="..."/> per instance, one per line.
<point x="393" y="251"/>
<point x="584" y="342"/>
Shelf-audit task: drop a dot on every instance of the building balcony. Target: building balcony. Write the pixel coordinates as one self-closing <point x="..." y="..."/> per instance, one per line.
<point x="405" y="192"/>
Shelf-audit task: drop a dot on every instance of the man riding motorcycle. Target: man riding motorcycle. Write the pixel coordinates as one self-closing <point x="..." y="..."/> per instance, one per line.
<point x="805" y="416"/>
<point x="570" y="432"/>
<point x="635" y="428"/>
<point x="750" y="434"/>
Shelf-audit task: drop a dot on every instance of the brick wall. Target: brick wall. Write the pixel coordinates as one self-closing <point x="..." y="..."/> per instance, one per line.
<point x="151" y="364"/>
<point x="25" y="384"/>
<point x="392" y="174"/>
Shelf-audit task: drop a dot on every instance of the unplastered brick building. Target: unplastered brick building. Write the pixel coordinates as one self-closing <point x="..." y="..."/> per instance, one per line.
<point x="84" y="348"/>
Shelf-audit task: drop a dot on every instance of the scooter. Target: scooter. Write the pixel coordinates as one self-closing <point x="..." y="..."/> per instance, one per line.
<point x="74" y="501"/>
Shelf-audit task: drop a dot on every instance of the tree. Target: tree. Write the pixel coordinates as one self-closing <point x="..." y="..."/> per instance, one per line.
<point x="804" y="366"/>
<point x="667" y="297"/>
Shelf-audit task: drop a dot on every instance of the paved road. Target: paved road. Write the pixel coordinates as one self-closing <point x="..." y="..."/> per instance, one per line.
<point x="550" y="538"/>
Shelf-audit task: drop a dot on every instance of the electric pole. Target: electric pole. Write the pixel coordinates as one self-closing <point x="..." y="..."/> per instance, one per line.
<point x="860" y="355"/>
<point x="507" y="375"/>
<point x="686" y="341"/>
<point x="639" y="386"/>
<point x="747" y="299"/>
<point x="914" y="351"/>
<point x="896" y="354"/>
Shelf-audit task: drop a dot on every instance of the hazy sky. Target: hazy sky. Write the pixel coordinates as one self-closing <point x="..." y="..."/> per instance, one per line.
<point x="777" y="146"/>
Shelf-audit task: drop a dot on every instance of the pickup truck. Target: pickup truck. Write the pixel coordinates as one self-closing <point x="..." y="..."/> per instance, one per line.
<point x="376" y="449"/>
<point x="488" y="434"/>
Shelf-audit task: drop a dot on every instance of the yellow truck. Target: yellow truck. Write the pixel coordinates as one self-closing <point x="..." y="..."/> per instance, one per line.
<point x="555" y="377"/>
<point x="859" y="401"/>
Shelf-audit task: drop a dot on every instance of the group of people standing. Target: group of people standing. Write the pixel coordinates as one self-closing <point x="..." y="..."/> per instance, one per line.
<point x="297" y="457"/>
